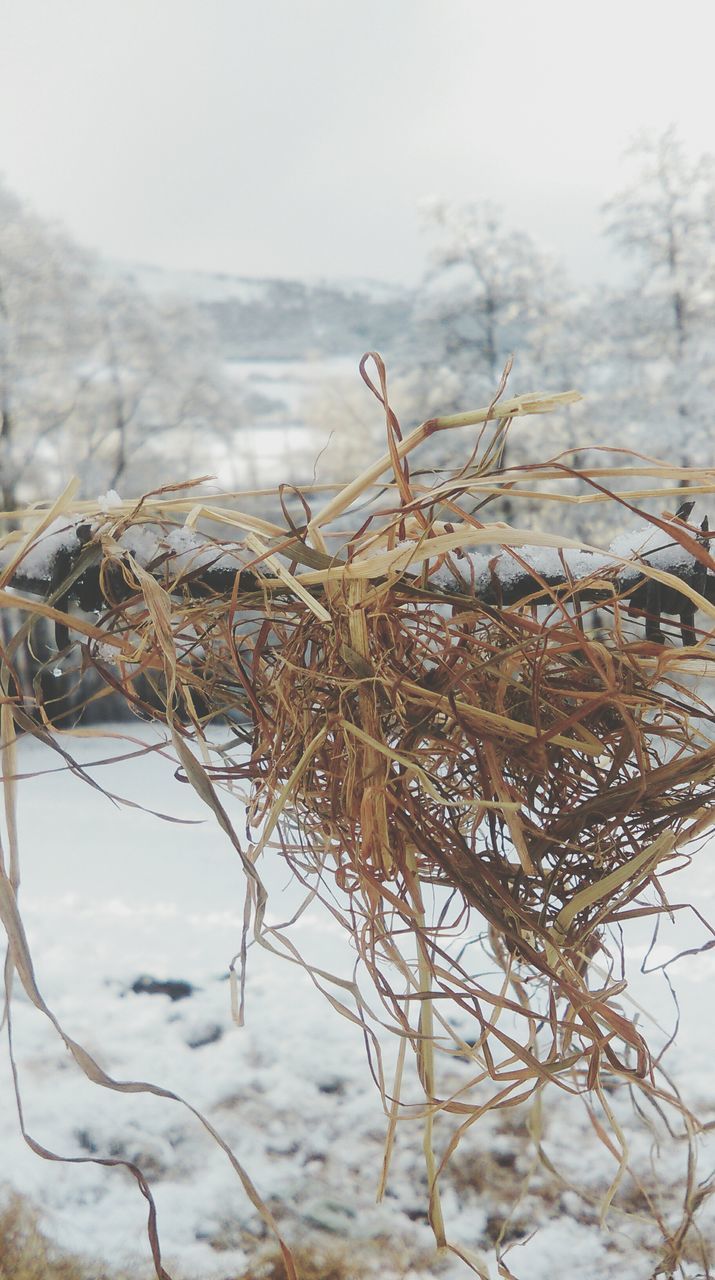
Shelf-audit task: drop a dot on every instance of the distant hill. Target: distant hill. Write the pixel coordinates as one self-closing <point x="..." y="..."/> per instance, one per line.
<point x="287" y="319"/>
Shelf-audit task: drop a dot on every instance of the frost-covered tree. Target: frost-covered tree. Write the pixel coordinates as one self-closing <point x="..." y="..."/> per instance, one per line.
<point x="488" y="293"/>
<point x="661" y="325"/>
<point x="97" y="380"/>
<point x="158" y="405"/>
<point x="100" y="382"/>
<point x="46" y="335"/>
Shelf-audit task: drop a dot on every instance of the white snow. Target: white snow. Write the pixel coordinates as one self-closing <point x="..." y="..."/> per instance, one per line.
<point x="112" y="893"/>
<point x="142" y="540"/>
<point x="187" y="548"/>
<point x="548" y="562"/>
<point x="643" y="543"/>
<point x="653" y="544"/>
<point x="37" y="561"/>
<point x="473" y="567"/>
<point x="190" y="550"/>
<point x="109" y="501"/>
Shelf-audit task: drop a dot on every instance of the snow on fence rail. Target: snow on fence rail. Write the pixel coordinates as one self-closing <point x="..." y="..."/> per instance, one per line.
<point x="65" y="563"/>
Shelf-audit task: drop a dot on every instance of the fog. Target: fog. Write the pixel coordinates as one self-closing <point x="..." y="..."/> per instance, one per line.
<point x="299" y="138"/>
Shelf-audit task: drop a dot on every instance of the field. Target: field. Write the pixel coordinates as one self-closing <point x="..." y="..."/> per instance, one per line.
<point x="113" y="894"/>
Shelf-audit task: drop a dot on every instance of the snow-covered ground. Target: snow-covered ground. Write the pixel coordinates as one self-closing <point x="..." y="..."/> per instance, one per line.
<point x="282" y="439"/>
<point x="113" y="893"/>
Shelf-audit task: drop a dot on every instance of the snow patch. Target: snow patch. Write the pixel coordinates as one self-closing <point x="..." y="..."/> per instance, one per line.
<point x="112" y="893"/>
<point x="653" y="545"/>
<point x="109" y="501"/>
<point x="37" y="562"/>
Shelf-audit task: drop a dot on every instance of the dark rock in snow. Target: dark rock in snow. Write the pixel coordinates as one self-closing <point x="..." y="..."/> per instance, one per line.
<point x="332" y="1084"/>
<point x="205" y="1035"/>
<point x="174" y="988"/>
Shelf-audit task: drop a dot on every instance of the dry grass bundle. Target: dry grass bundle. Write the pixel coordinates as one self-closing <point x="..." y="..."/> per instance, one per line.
<point x="435" y="757"/>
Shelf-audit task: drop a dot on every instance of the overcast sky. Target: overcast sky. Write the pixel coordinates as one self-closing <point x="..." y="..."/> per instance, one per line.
<point x="297" y="137"/>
